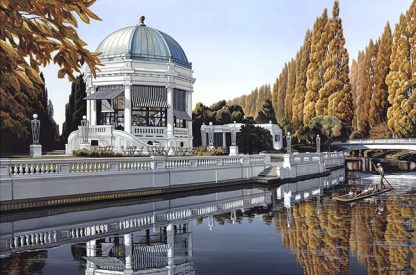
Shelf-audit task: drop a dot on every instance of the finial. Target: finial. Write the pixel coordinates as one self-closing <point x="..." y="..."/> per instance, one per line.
<point x="35" y="116"/>
<point x="141" y="19"/>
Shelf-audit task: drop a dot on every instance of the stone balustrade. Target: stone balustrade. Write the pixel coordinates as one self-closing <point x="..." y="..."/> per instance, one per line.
<point x="10" y="168"/>
<point x="181" y="132"/>
<point x="301" y="164"/>
<point x="143" y="131"/>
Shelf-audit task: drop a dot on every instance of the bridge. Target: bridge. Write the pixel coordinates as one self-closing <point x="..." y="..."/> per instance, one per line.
<point x="381" y="144"/>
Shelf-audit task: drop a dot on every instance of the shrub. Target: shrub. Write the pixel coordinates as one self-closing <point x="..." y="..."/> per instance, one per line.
<point x="205" y="151"/>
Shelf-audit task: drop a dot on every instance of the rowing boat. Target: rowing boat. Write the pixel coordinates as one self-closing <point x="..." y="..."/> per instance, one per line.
<point x="349" y="198"/>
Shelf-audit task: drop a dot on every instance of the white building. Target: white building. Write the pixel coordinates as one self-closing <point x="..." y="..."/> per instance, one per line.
<point x="143" y="93"/>
<point x="222" y="134"/>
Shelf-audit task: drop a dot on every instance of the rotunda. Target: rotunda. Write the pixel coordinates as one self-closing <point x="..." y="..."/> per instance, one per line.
<point x="144" y="89"/>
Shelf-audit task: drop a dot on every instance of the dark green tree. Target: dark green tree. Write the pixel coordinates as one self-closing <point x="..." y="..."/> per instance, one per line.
<point x="330" y="128"/>
<point x="253" y="139"/>
<point x="266" y="114"/>
<point x="75" y="108"/>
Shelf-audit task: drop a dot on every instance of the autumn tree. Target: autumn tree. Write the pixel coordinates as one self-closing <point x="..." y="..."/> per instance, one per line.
<point x="401" y="79"/>
<point x="300" y="86"/>
<point x="35" y="32"/>
<point x="337" y="84"/>
<point x="378" y="103"/>
<point x="315" y="72"/>
<point x="290" y="91"/>
<point x="281" y="95"/>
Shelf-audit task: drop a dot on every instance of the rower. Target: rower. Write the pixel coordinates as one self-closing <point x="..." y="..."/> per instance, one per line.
<point x="381" y="171"/>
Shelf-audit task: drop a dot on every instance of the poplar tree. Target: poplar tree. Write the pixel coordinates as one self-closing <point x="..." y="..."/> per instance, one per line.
<point x="291" y="82"/>
<point x="300" y="87"/>
<point x="280" y="108"/>
<point x="378" y="103"/>
<point x="337" y="85"/>
<point x="401" y="79"/>
<point x="353" y="79"/>
<point x="315" y="71"/>
<point x="366" y="87"/>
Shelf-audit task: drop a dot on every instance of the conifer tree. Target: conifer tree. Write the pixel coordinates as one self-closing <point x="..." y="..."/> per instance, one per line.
<point x="315" y="71"/>
<point x="401" y="79"/>
<point x="266" y="114"/>
<point x="378" y="103"/>
<point x="75" y="108"/>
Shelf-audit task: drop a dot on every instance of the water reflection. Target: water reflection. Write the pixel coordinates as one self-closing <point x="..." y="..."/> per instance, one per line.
<point x="158" y="235"/>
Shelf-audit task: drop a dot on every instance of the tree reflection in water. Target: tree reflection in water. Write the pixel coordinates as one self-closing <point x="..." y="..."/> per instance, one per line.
<point x="26" y="262"/>
<point x="380" y="234"/>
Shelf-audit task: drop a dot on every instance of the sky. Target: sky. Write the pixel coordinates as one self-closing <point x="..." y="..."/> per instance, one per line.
<point x="234" y="45"/>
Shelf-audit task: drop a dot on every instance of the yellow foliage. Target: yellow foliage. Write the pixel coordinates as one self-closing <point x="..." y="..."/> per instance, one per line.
<point x="36" y="32"/>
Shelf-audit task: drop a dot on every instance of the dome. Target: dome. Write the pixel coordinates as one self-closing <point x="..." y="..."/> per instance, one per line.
<point x="142" y="43"/>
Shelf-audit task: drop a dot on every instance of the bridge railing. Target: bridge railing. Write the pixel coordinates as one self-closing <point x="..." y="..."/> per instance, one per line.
<point x="378" y="141"/>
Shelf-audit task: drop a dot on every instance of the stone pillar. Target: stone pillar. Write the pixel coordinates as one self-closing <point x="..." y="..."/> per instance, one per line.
<point x="203" y="135"/>
<point x="90" y="91"/>
<point x="170" y="238"/>
<point x="189" y="111"/>
<point x="89" y="110"/>
<point x="127" y="108"/>
<point x="170" y="121"/>
<point x="128" y="255"/>
<point x="93" y="113"/>
<point x="224" y="140"/>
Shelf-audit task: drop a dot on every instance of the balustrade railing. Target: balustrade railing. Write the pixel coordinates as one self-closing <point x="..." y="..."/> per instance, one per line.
<point x="100" y="129"/>
<point x="149" y="131"/>
<point x="180" y="131"/>
<point x="74" y="166"/>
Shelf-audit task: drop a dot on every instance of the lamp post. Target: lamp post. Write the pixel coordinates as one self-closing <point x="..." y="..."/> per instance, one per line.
<point x="289" y="143"/>
<point x="211" y="136"/>
<point x="234" y="147"/>
<point x="35" y="147"/>
<point x="318" y="144"/>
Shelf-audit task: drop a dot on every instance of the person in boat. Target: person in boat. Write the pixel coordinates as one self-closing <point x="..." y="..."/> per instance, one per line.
<point x="380" y="169"/>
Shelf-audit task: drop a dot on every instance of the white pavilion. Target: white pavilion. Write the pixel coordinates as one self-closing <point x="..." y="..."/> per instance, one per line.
<point x="142" y="95"/>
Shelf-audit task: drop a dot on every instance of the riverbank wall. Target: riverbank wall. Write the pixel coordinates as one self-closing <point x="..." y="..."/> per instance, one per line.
<point x="30" y="183"/>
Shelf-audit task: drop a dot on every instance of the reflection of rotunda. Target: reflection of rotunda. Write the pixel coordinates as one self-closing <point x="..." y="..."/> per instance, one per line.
<point x="144" y="89"/>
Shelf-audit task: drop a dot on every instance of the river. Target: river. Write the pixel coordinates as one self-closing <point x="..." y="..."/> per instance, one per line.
<point x="293" y="229"/>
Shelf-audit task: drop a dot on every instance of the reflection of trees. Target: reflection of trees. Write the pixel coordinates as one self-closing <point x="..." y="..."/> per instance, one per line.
<point x="400" y="232"/>
<point x="320" y="240"/>
<point x="381" y="235"/>
<point x="24" y="263"/>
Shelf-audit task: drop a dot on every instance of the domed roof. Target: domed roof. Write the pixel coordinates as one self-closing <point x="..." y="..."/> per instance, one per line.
<point x="143" y="43"/>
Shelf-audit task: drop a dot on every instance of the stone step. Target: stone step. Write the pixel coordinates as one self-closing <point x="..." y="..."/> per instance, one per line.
<point x="269" y="172"/>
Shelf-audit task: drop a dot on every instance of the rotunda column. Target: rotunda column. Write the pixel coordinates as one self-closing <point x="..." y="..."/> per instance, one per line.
<point x="189" y="111"/>
<point x="170" y="113"/>
<point x="93" y="111"/>
<point x="127" y="107"/>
